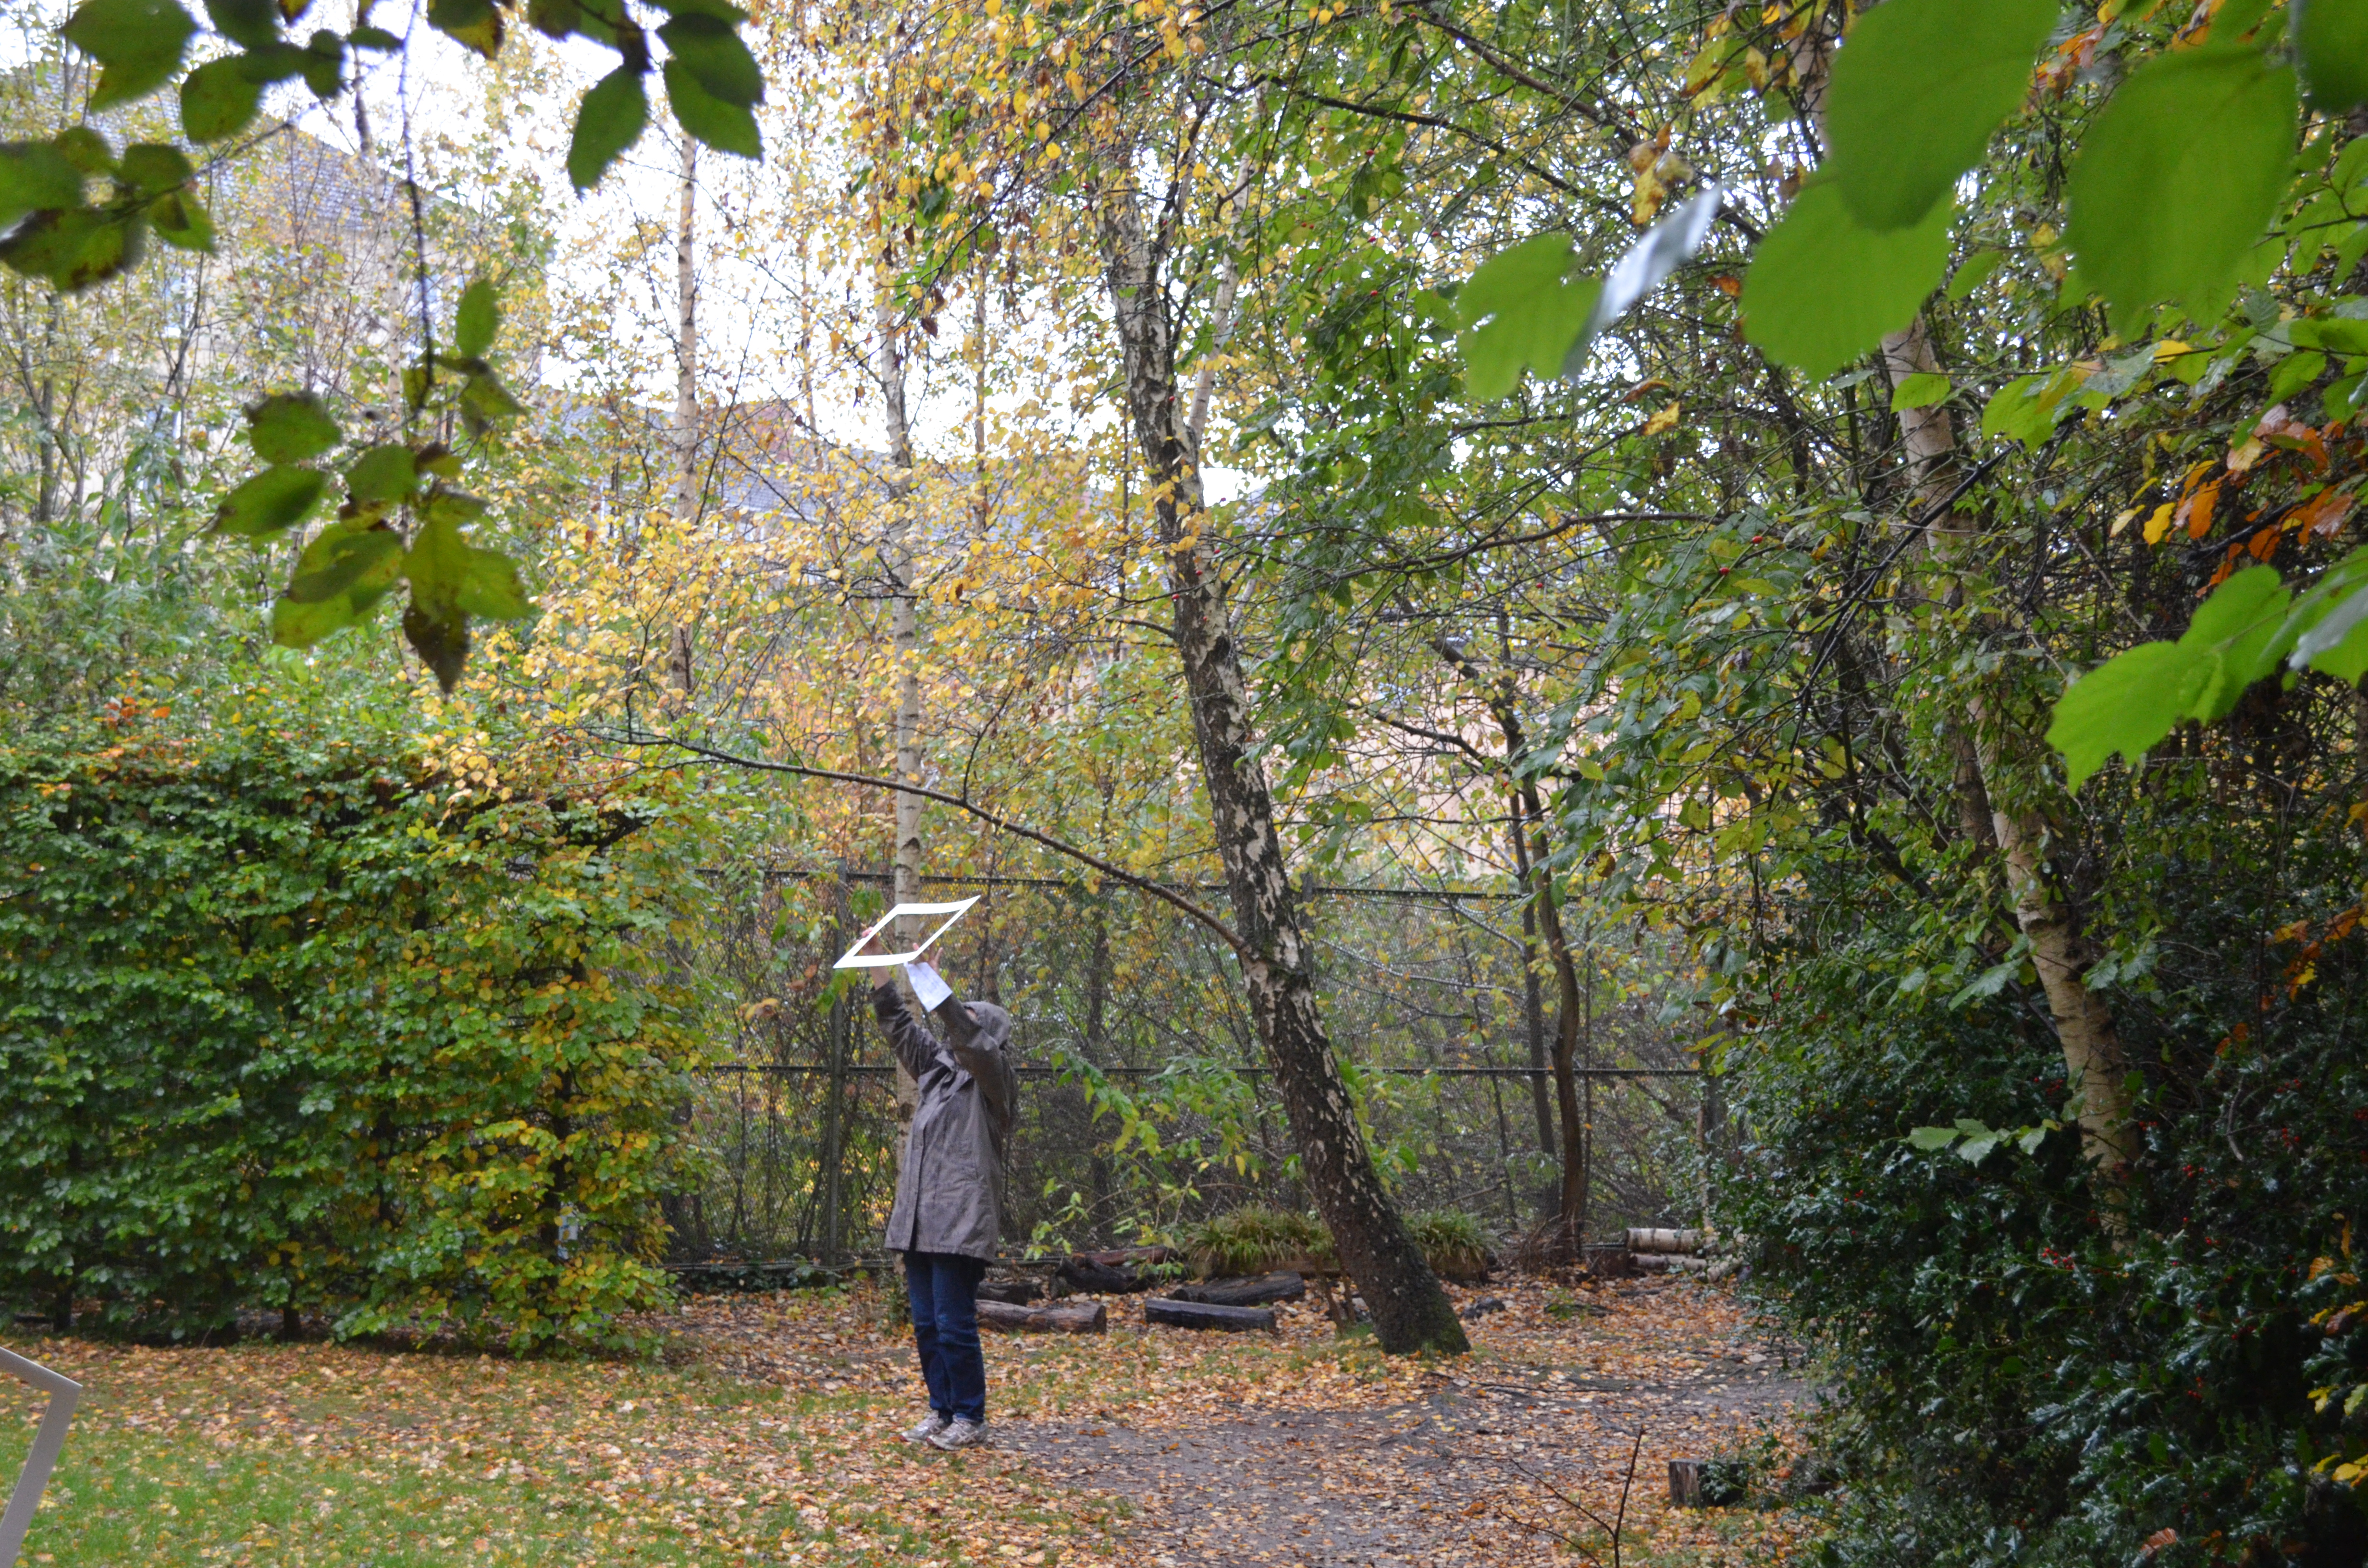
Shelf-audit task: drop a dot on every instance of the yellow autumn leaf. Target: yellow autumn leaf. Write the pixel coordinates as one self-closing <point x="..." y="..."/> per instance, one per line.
<point x="1661" y="422"/>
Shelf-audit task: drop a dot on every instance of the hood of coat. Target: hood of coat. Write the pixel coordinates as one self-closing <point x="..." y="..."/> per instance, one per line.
<point x="977" y="1023"/>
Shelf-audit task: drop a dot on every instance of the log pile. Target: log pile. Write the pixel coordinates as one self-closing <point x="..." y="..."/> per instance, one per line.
<point x="1655" y="1251"/>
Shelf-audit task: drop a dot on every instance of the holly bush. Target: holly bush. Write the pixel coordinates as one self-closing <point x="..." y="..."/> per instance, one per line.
<point x="2020" y="1384"/>
<point x="289" y="1022"/>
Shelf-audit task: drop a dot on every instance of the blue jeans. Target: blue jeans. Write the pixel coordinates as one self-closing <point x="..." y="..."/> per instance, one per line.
<point x="944" y="1290"/>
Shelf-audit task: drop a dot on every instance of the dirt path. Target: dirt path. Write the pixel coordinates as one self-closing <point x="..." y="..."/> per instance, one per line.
<point x="1438" y="1480"/>
<point x="1258" y="1451"/>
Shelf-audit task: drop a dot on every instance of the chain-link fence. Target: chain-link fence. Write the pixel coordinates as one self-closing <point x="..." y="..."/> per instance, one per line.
<point x="1145" y="1104"/>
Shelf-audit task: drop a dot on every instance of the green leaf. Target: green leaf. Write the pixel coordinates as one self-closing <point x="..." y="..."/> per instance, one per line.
<point x="2178" y="177"/>
<point x="1520" y="311"/>
<point x="85" y="149"/>
<point x="2236" y="632"/>
<point x="138" y="43"/>
<point x="1823" y="289"/>
<point x="272" y="502"/>
<point x="434" y="622"/>
<point x="322" y="63"/>
<point x="2295" y="373"/>
<point x="611" y="119"/>
<point x="250" y="24"/>
<point x="180" y="221"/>
<point x="219" y="99"/>
<point x="340" y="577"/>
<point x="382" y="473"/>
<point x="485" y="403"/>
<point x="289" y="427"/>
<point x="2337" y="334"/>
<point x="722" y="11"/>
<point x="33" y="176"/>
<point x="475" y="23"/>
<point x="2026" y="408"/>
<point x="712" y="51"/>
<point x="1932" y="1140"/>
<point x="77" y="248"/>
<point x="2125" y="705"/>
<point x="2331" y="39"/>
<point x="476" y="320"/>
<point x="2324" y="624"/>
<point x="1921" y="390"/>
<point x="151" y="168"/>
<point x="1974" y="1151"/>
<point x="1917" y="92"/>
<point x="1972" y="272"/>
<point x="490" y="586"/>
<point x="726" y="127"/>
<point x="376" y="38"/>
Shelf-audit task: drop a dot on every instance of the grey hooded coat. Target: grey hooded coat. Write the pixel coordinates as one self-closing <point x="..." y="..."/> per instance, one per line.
<point x="950" y="1187"/>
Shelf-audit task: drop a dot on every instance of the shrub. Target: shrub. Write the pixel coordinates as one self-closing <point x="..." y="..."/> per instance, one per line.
<point x="1254" y="1239"/>
<point x="1453" y="1242"/>
<point x="287" y="1025"/>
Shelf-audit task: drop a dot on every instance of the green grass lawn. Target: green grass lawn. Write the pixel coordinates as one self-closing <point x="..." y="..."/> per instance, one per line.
<point x="346" y="1456"/>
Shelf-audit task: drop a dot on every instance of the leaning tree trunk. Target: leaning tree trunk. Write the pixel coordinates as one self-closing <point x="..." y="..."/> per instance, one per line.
<point x="2085" y="1028"/>
<point x="1410" y="1310"/>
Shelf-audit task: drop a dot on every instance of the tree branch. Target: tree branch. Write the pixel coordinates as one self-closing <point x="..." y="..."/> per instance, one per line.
<point x="763" y="765"/>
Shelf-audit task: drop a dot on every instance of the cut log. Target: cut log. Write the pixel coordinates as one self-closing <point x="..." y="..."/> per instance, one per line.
<point x="1081" y="1317"/>
<point x="1084" y="1275"/>
<point x="1016" y="1292"/>
<point x="1252" y="1290"/>
<point x="1685" y="1482"/>
<point x="1200" y="1315"/>
<point x="1121" y="1257"/>
<point x="1643" y="1240"/>
<point x="1608" y="1260"/>
<point x="1668" y="1263"/>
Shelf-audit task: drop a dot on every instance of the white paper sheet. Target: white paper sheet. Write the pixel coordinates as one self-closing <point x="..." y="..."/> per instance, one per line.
<point x="928" y="985"/>
<point x="856" y="957"/>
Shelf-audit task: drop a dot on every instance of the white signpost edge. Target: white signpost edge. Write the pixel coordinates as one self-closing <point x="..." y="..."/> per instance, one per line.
<point x="856" y="957"/>
<point x="25" y="1500"/>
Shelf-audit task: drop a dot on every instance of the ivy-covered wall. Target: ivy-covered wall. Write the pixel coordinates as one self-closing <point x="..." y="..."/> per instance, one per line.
<point x="288" y="1023"/>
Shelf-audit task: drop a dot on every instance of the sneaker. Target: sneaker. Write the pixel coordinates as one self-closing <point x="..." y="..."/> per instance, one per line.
<point x="959" y="1433"/>
<point x="928" y="1428"/>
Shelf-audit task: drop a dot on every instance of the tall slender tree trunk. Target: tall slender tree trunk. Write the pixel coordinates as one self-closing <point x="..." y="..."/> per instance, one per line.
<point x="687" y="485"/>
<point x="1410" y="1310"/>
<point x="1532" y="1004"/>
<point x="2085" y="1028"/>
<point x="905" y="632"/>
<point x="1532" y="854"/>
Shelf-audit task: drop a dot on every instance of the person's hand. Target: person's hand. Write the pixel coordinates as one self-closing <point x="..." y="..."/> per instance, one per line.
<point x="884" y="977"/>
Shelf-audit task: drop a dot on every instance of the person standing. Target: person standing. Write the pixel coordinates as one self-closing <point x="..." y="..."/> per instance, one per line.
<point x="949" y="1211"/>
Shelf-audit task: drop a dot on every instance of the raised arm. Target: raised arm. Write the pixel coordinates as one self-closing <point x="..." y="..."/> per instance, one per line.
<point x="914" y="1045"/>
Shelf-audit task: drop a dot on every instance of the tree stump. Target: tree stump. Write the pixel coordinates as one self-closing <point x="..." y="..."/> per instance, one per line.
<point x="1685" y="1483"/>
